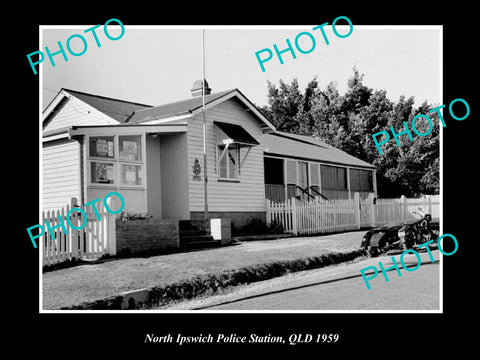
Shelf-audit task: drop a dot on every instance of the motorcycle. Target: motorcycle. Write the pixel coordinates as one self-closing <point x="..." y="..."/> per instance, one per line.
<point x="405" y="235"/>
<point x="418" y="231"/>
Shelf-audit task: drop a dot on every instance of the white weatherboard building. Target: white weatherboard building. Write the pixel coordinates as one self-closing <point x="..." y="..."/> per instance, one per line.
<point x="153" y="156"/>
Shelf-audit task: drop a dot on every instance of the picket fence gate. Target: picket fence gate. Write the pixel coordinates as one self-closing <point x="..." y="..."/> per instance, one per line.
<point x="326" y="216"/>
<point x="95" y="239"/>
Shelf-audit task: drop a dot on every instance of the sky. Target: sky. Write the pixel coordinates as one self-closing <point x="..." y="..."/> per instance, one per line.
<point x="154" y="65"/>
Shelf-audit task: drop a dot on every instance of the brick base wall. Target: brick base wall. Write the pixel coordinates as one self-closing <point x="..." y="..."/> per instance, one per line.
<point x="136" y="236"/>
<point x="238" y="218"/>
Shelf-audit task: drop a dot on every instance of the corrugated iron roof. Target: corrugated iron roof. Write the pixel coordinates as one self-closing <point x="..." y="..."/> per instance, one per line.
<point x="175" y="108"/>
<point x="305" y="147"/>
<point x="119" y="110"/>
<point x="276" y="143"/>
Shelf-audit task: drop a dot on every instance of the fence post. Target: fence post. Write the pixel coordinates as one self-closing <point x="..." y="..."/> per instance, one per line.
<point x="356" y="199"/>
<point x="371" y="208"/>
<point x="74" y="234"/>
<point x="403" y="203"/>
<point x="429" y="204"/>
<point x="47" y="240"/>
<point x="111" y="229"/>
<point x="112" y="234"/>
<point x="294" y="216"/>
<point x="41" y="242"/>
<point x="267" y="211"/>
<point x="67" y="244"/>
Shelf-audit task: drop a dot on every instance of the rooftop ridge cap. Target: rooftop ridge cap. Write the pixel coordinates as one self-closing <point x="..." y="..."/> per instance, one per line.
<point x="105" y="97"/>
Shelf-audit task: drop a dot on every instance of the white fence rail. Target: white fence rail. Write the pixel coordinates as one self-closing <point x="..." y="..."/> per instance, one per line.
<point x="321" y="216"/>
<point x="95" y="239"/>
<point x="405" y="209"/>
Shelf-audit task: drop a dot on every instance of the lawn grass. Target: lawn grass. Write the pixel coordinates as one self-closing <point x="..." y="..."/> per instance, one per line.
<point x="87" y="283"/>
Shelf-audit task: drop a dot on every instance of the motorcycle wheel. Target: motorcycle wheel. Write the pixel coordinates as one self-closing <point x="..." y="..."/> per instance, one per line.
<point x="407" y="240"/>
<point x="427" y="235"/>
<point x="372" y="252"/>
<point x="434" y="234"/>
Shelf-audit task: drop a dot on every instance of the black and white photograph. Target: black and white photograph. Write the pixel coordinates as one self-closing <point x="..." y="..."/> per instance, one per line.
<point x="301" y="178"/>
<point x="270" y="185"/>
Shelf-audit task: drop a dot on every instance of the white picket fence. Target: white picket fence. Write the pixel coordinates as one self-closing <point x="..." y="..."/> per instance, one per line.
<point x="405" y="209"/>
<point x="97" y="238"/>
<point x="326" y="216"/>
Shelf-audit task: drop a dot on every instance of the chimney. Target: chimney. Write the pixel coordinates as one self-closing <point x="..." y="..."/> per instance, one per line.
<point x="197" y="88"/>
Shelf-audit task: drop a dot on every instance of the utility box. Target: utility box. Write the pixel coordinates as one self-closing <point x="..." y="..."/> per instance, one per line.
<point x="220" y="229"/>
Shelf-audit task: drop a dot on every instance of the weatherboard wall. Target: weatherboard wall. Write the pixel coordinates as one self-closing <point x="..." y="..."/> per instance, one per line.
<point x="174" y="173"/>
<point x="61" y="173"/>
<point x="77" y="113"/>
<point x="245" y="195"/>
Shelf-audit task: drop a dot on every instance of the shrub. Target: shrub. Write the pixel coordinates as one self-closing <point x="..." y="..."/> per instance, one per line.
<point x="134" y="215"/>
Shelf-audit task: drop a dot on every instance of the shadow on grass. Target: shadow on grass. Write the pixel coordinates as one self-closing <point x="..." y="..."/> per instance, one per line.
<point x="127" y="255"/>
<point x="212" y="283"/>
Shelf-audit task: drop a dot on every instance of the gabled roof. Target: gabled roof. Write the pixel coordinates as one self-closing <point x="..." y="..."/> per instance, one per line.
<point x="118" y="110"/>
<point x="174" y="108"/>
<point x="305" y="147"/>
<point x="274" y="143"/>
<point x="193" y="105"/>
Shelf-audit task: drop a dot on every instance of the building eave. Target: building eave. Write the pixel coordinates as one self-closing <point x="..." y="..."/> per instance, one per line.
<point x="125" y="129"/>
<point x="266" y="153"/>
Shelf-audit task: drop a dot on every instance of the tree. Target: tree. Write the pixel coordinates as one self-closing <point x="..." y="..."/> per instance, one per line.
<point x="325" y="113"/>
<point x="348" y="121"/>
<point x="284" y="105"/>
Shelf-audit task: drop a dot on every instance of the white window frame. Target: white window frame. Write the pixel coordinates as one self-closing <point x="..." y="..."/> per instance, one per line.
<point x="223" y="153"/>
<point x="117" y="162"/>
<point x="97" y="160"/>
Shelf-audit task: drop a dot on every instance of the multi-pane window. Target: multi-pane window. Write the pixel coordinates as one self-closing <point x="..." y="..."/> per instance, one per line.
<point x="116" y="160"/>
<point x="102" y="169"/>
<point x="229" y="162"/>
<point x="361" y="180"/>
<point x="130" y="157"/>
<point x="333" y="178"/>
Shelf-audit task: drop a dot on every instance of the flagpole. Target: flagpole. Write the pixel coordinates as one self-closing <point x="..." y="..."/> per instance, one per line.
<point x="205" y="179"/>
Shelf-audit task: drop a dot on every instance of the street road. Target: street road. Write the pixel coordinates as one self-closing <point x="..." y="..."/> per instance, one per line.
<point x="339" y="287"/>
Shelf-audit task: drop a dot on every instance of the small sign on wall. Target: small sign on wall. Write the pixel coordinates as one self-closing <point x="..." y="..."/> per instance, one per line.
<point x="197" y="169"/>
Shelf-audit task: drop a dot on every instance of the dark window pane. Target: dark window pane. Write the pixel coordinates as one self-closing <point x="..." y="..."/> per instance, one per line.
<point x="232" y="162"/>
<point x="130" y="148"/>
<point x="102" y="172"/>
<point x="130" y="174"/>
<point x="273" y="171"/>
<point x="314" y="174"/>
<point x="101" y="146"/>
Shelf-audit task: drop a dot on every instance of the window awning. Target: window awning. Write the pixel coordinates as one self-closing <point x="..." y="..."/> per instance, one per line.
<point x="236" y="133"/>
